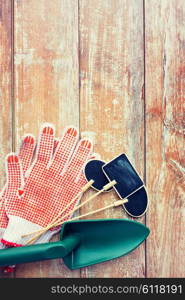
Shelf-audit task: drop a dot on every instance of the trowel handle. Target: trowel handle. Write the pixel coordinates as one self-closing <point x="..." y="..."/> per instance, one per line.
<point x="39" y="252"/>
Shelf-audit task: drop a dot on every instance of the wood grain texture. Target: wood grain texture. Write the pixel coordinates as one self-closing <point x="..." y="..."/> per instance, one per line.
<point x="111" y="102"/>
<point x="165" y="98"/>
<point x="46" y="82"/>
<point x="5" y="87"/>
<point x="115" y="69"/>
<point x="5" y="84"/>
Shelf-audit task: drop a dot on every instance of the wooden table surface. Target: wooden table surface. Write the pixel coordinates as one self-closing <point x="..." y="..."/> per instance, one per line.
<point x="115" y="69"/>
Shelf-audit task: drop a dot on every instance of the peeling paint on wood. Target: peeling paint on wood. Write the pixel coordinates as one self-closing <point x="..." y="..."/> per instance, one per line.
<point x="5" y="82"/>
<point x="46" y="82"/>
<point x="110" y="102"/>
<point x="5" y="86"/>
<point x="84" y="63"/>
<point x="165" y="141"/>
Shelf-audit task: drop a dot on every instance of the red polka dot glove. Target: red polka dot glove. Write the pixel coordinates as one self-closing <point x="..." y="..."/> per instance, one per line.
<point x="14" y="182"/>
<point x="53" y="181"/>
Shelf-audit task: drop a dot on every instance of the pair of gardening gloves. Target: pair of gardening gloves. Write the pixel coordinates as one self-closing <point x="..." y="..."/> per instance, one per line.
<point x="41" y="182"/>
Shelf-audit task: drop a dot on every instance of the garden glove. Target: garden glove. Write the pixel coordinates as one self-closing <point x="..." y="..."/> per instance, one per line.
<point x="14" y="183"/>
<point x="53" y="181"/>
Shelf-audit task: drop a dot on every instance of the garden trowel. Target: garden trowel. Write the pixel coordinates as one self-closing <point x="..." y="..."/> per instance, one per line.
<point x="83" y="243"/>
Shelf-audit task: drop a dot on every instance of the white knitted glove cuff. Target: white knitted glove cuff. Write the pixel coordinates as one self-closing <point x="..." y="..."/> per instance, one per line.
<point x="17" y="227"/>
<point x="46" y="237"/>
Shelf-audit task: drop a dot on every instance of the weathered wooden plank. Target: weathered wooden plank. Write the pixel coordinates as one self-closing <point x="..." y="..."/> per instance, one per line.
<point x="111" y="101"/>
<point x="46" y="82"/>
<point x="165" y="86"/>
<point x="5" y="85"/>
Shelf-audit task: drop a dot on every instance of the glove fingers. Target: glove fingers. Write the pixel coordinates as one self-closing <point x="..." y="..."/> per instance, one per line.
<point x="26" y="151"/>
<point x="14" y="173"/>
<point x="56" y="142"/>
<point x="64" y="149"/>
<point x="80" y="157"/>
<point x="45" y="144"/>
<point x="82" y="179"/>
<point x="3" y="216"/>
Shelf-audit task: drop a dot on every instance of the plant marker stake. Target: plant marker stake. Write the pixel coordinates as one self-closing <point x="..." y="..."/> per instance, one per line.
<point x="114" y="204"/>
<point x="40" y="232"/>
